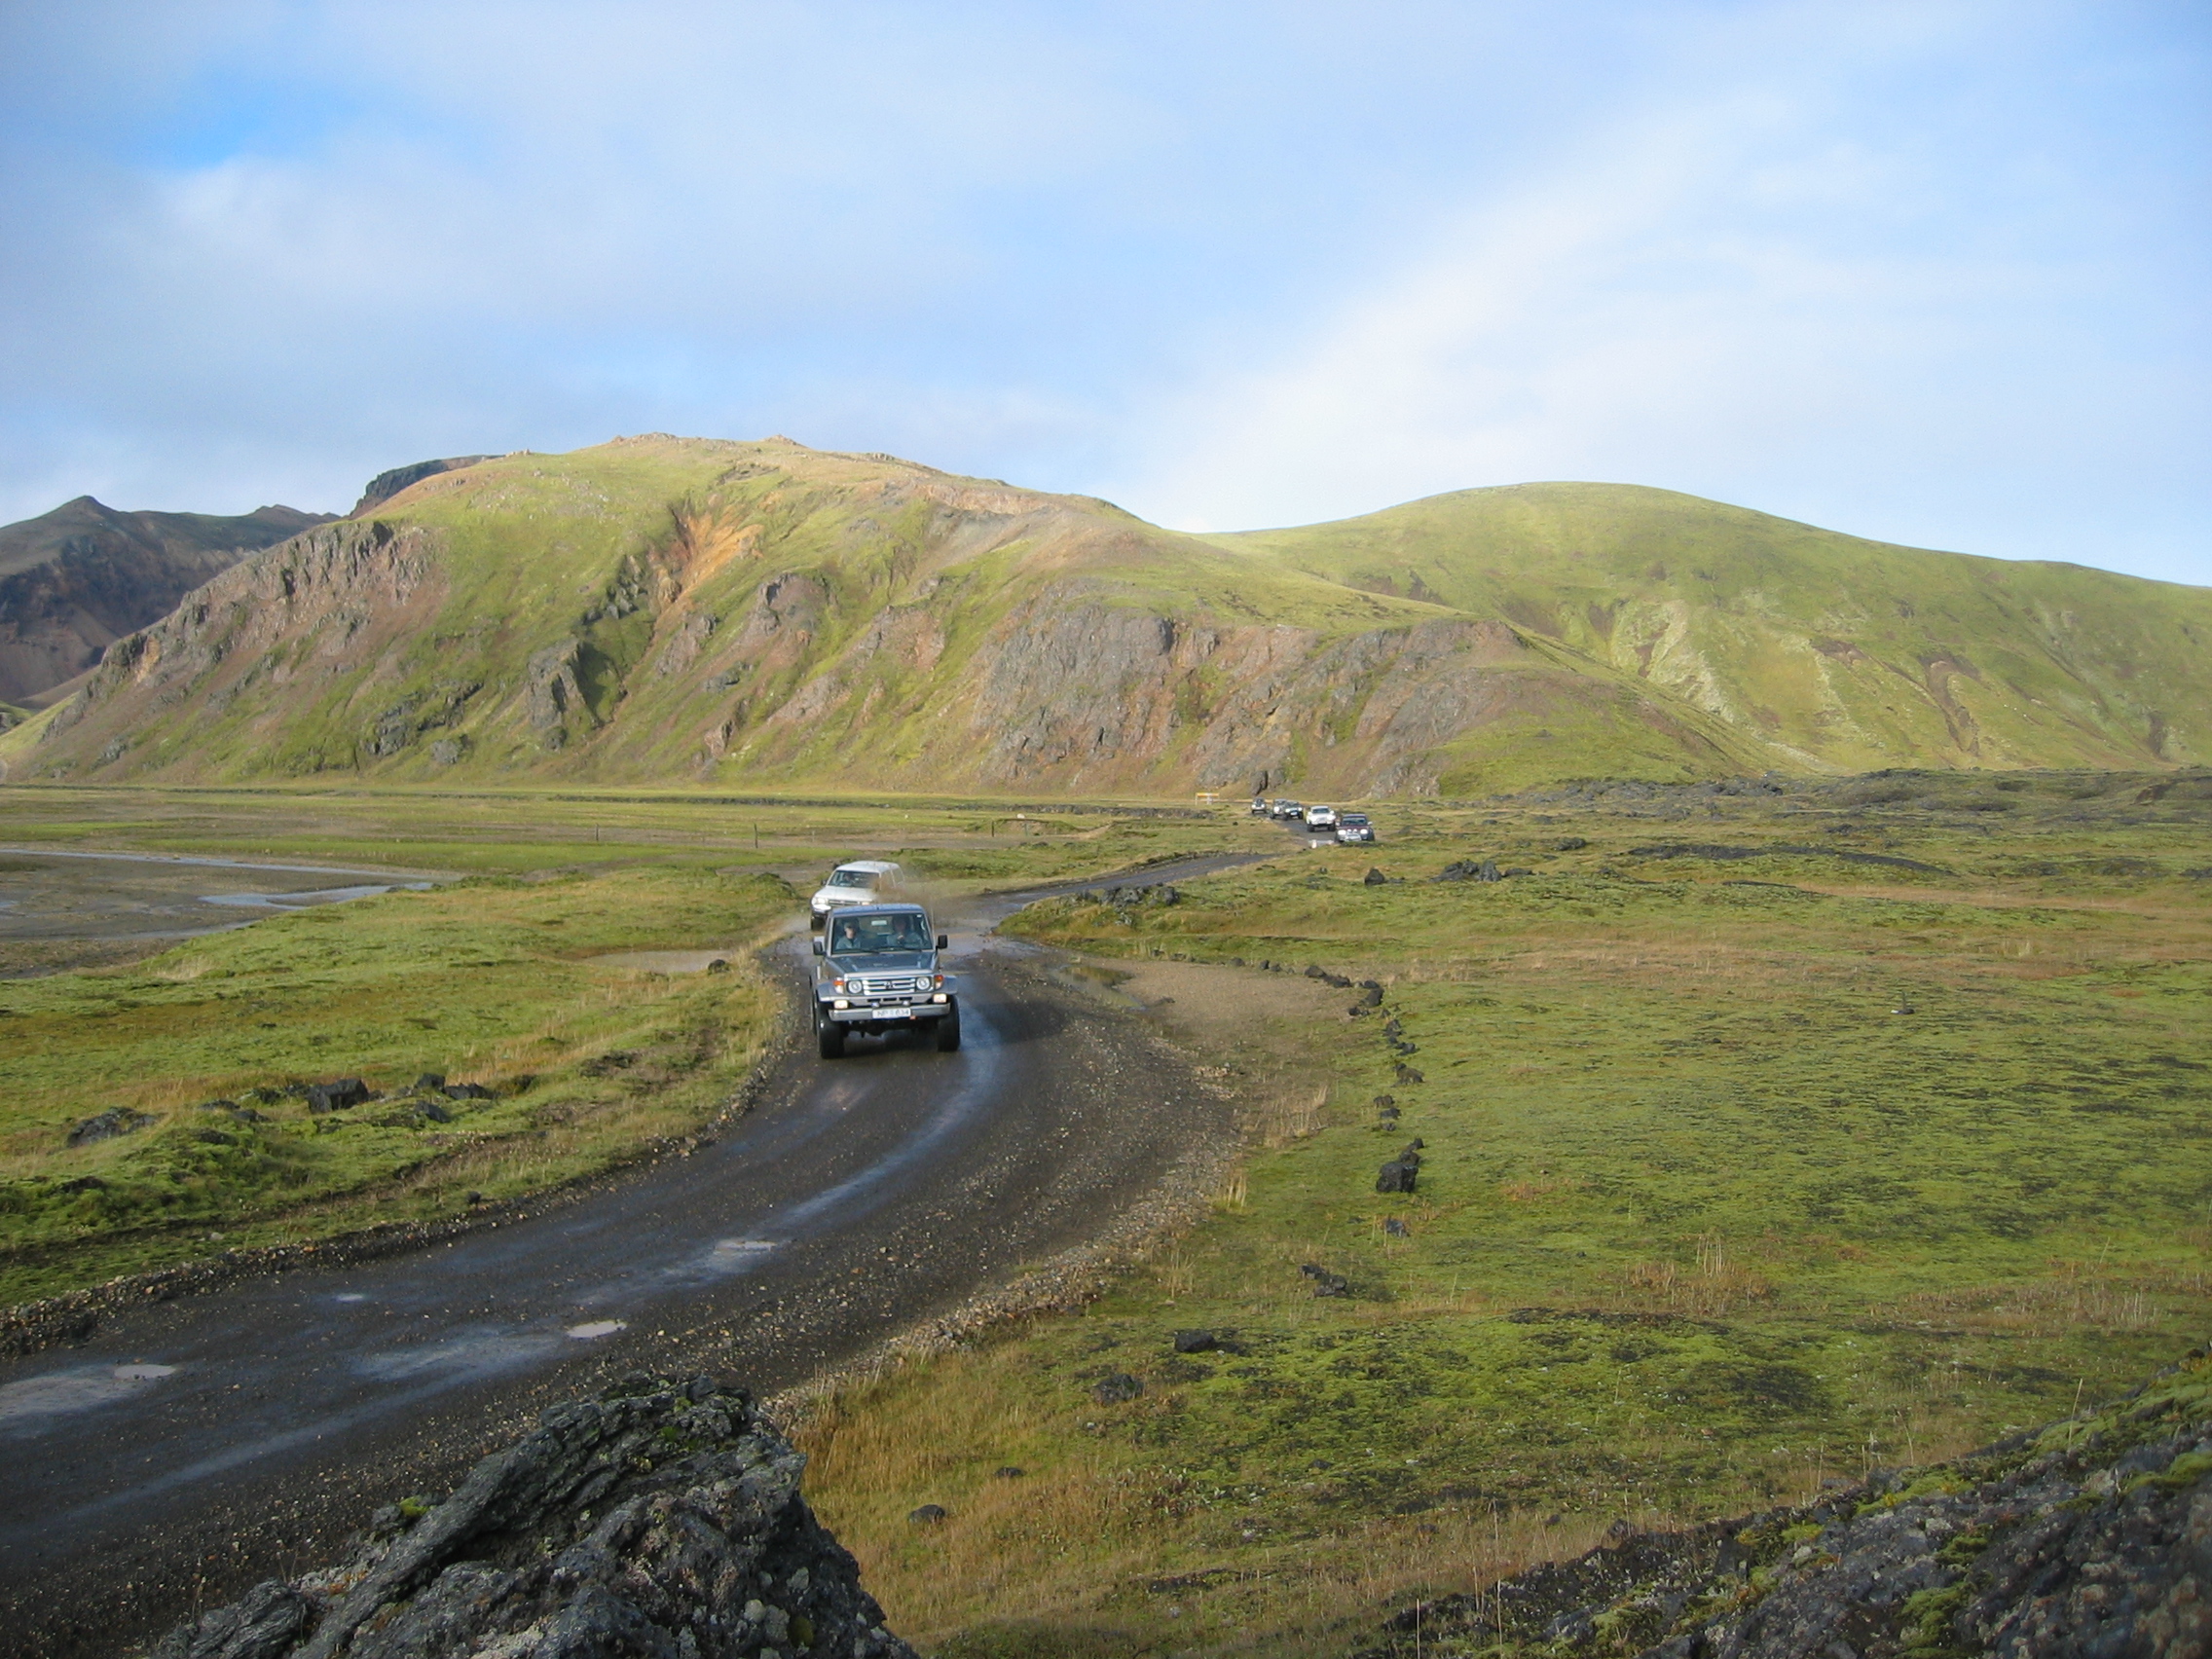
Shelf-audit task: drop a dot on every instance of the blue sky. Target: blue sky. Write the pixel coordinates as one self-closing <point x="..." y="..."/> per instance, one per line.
<point x="1934" y="272"/>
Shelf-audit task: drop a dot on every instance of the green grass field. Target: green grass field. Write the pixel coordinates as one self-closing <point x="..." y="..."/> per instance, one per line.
<point x="498" y="978"/>
<point x="1739" y="1175"/>
<point x="1767" y="1134"/>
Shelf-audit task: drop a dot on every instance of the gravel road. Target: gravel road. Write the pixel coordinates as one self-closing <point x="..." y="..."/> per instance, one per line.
<point x="191" y="1449"/>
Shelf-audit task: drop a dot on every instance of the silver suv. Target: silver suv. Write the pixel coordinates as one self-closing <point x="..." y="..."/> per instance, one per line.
<point x="876" y="970"/>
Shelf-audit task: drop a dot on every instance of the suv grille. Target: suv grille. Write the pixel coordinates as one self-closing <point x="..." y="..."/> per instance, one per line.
<point x="888" y="985"/>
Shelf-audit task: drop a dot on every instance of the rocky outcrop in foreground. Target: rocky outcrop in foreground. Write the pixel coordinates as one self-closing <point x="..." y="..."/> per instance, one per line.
<point x="2091" y="1538"/>
<point x="662" y="1521"/>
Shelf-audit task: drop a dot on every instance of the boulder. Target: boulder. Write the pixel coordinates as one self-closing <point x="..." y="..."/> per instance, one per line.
<point x="662" y="1518"/>
<point x="1375" y="878"/>
<point x="1409" y="1074"/>
<point x="1196" y="1341"/>
<point x="1469" y="869"/>
<point x="467" y="1091"/>
<point x="337" y="1097"/>
<point x="1117" y="1388"/>
<point x="107" y="1125"/>
<point x="430" y="1082"/>
<point x="1325" y="1282"/>
<point x="1397" y="1176"/>
<point x="2090" y="1538"/>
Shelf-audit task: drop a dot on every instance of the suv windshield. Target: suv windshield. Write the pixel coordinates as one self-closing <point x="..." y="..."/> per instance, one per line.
<point x="866" y="935"/>
<point x="852" y="878"/>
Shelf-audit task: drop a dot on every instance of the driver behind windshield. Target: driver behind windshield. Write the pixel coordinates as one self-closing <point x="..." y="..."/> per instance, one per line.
<point x="866" y="935"/>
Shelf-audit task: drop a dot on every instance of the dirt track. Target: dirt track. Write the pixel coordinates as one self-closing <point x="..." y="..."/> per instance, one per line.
<point x="189" y="1449"/>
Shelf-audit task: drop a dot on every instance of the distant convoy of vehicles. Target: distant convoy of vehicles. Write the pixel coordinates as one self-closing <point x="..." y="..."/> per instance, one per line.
<point x="1349" y="826"/>
<point x="878" y="968"/>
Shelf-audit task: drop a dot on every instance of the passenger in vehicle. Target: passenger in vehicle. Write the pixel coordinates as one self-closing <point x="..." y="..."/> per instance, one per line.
<point x="866" y="935"/>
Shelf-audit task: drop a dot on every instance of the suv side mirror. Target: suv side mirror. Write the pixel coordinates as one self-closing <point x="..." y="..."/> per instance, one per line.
<point x="818" y="949"/>
<point x="943" y="941"/>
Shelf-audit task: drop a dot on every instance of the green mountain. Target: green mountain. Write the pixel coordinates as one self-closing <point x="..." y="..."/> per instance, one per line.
<point x="664" y="610"/>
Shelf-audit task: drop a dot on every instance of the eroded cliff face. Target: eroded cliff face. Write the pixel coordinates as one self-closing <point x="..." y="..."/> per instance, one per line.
<point x="279" y="630"/>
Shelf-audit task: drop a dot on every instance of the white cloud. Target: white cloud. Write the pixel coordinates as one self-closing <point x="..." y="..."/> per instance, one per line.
<point x="1717" y="299"/>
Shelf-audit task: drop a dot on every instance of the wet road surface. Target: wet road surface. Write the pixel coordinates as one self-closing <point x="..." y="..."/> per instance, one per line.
<point x="189" y="1449"/>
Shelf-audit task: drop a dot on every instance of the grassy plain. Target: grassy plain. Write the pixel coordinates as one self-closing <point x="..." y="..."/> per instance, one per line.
<point x="1740" y="1172"/>
<point x="511" y="973"/>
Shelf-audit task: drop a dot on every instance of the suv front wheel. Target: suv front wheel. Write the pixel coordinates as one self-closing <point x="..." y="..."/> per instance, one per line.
<point x="829" y="1038"/>
<point x="948" y="1031"/>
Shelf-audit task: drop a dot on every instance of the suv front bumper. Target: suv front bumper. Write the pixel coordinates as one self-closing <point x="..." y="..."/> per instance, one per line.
<point x="887" y="1011"/>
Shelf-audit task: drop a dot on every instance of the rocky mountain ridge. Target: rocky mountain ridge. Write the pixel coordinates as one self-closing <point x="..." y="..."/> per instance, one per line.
<point x="75" y="580"/>
<point x="663" y="609"/>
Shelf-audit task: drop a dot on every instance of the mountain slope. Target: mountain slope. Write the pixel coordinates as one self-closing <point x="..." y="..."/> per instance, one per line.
<point x="75" y="580"/>
<point x="1840" y="652"/>
<point x="664" y="608"/>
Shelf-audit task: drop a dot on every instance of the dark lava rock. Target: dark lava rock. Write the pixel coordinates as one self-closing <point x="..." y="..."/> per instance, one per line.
<point x="430" y="1082"/>
<point x="718" y="966"/>
<point x="81" y="1183"/>
<point x="929" y="1515"/>
<point x="1397" y="1176"/>
<point x="337" y="1097"/>
<point x="663" y="1519"/>
<point x="467" y="1091"/>
<point x="1009" y="1472"/>
<point x="1409" y="1074"/>
<point x="107" y="1125"/>
<point x="1469" y="869"/>
<point x="1117" y="1388"/>
<point x="1371" y="994"/>
<point x="2090" y="1540"/>
<point x="1196" y="1341"/>
<point x="1396" y="1228"/>
<point x="1386" y="1103"/>
<point x="1325" y="1282"/>
<point x="1568" y="844"/>
<point x="1375" y="878"/>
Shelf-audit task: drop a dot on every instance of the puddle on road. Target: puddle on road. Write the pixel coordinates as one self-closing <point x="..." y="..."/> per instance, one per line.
<point x="729" y="1257"/>
<point x="77" y="1389"/>
<point x="597" y="1329"/>
<point x="348" y="1295"/>
<point x="480" y="1351"/>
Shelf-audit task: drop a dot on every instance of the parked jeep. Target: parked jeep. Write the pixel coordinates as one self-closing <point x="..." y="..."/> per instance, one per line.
<point x="863" y="881"/>
<point x="876" y="970"/>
